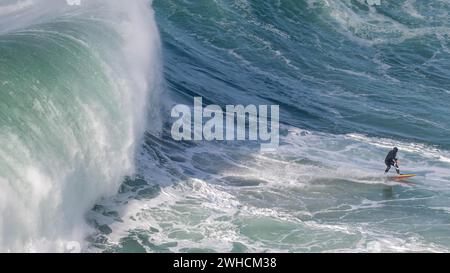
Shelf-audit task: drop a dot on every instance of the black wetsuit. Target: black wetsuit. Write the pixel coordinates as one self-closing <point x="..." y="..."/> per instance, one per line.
<point x="391" y="160"/>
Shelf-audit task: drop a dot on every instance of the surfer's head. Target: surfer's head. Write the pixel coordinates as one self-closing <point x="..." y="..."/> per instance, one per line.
<point x="395" y="149"/>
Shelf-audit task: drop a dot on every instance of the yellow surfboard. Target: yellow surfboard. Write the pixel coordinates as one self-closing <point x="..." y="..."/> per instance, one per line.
<point x="403" y="176"/>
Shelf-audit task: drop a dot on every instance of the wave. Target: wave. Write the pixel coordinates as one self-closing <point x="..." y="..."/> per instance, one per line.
<point x="75" y="82"/>
<point x="389" y="22"/>
<point x="332" y="66"/>
<point x="357" y="79"/>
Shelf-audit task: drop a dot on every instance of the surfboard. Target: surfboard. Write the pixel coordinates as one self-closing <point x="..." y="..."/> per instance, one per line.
<point x="402" y="176"/>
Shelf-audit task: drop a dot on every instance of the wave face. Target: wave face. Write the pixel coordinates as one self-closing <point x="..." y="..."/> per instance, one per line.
<point x="352" y="81"/>
<point x="74" y="87"/>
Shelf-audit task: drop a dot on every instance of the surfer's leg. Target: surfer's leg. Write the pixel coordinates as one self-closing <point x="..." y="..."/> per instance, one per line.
<point x="397" y="168"/>
<point x="388" y="167"/>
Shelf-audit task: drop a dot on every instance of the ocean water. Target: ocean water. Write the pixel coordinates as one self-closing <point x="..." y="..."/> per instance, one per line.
<point x="86" y="154"/>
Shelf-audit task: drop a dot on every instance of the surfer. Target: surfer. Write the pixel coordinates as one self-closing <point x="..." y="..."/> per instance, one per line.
<point x="391" y="160"/>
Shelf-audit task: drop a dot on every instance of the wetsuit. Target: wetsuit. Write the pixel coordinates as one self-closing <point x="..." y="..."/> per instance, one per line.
<point x="391" y="160"/>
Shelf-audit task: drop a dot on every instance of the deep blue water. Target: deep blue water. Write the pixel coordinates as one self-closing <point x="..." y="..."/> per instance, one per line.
<point x="332" y="66"/>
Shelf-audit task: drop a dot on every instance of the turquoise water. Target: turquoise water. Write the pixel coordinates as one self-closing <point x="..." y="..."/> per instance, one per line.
<point x="352" y="81"/>
<point x="75" y="86"/>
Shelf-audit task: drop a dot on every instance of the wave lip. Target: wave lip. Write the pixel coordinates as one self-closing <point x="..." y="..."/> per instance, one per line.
<point x="75" y="85"/>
